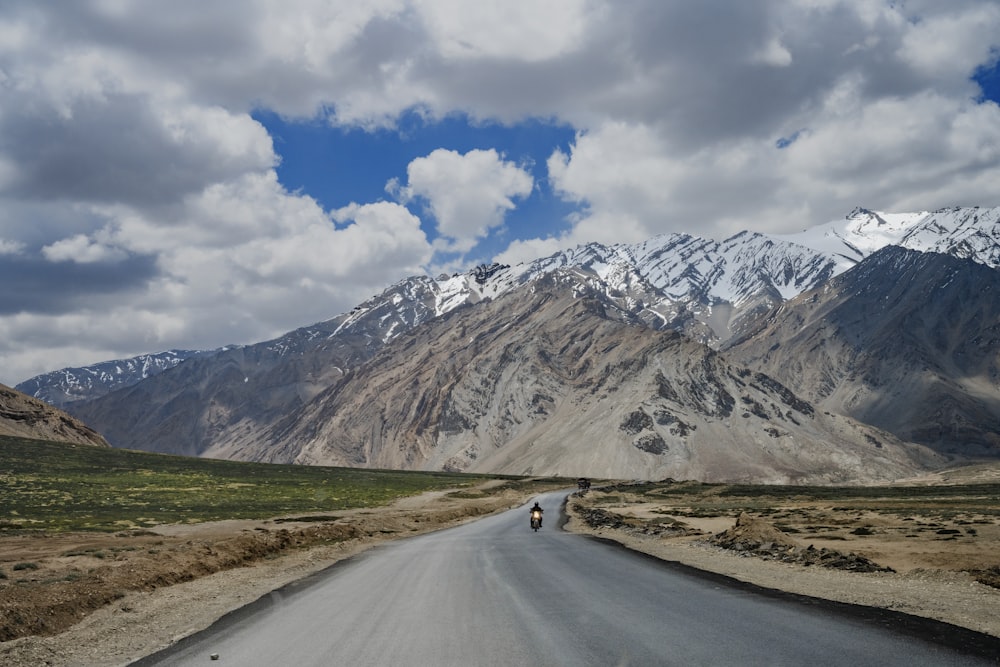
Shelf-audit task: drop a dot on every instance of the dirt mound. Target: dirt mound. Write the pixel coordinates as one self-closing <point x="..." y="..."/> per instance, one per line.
<point x="659" y="527"/>
<point x="754" y="536"/>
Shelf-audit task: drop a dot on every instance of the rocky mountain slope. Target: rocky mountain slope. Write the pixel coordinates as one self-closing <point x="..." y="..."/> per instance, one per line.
<point x="552" y="379"/>
<point x="907" y="341"/>
<point x="23" y="416"/>
<point x="710" y="290"/>
<point x="89" y="382"/>
<point x="239" y="389"/>
<point x="715" y="293"/>
<point x="666" y="283"/>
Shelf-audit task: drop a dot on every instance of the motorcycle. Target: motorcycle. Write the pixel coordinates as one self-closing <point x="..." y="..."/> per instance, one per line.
<point x="536" y="520"/>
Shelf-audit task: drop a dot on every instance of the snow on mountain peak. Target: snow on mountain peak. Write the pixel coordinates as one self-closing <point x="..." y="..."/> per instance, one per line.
<point x="662" y="278"/>
<point x="698" y="286"/>
<point x="972" y="233"/>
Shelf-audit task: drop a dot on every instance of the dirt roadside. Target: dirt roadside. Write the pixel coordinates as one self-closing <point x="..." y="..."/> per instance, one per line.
<point x="252" y="559"/>
<point x="929" y="575"/>
<point x="95" y="599"/>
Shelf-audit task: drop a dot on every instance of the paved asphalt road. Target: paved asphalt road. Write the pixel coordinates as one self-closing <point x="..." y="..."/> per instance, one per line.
<point x="493" y="592"/>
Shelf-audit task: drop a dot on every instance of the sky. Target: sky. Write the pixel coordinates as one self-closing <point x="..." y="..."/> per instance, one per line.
<point x="191" y="175"/>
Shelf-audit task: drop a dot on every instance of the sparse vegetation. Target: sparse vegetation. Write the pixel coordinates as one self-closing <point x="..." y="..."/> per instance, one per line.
<point x="989" y="576"/>
<point x="84" y="514"/>
<point x="943" y="502"/>
<point x="61" y="487"/>
<point x="872" y="520"/>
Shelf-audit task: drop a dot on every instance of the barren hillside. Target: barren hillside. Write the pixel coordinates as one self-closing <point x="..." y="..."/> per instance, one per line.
<point x="26" y="417"/>
<point x="548" y="380"/>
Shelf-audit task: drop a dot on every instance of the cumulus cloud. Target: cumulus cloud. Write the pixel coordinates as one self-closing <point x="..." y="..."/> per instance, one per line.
<point x="810" y="109"/>
<point x="10" y="247"/>
<point x="126" y="148"/>
<point x="139" y="202"/>
<point x="949" y="46"/>
<point x="528" y="250"/>
<point x="468" y="194"/>
<point x="83" y="249"/>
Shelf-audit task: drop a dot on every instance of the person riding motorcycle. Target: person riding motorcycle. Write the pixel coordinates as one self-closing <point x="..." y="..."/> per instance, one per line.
<point x="537" y="508"/>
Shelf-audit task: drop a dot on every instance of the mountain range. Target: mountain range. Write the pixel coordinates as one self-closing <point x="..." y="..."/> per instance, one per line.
<point x="858" y="350"/>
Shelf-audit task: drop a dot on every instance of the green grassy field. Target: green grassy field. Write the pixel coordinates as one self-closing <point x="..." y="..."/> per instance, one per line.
<point x="59" y="487"/>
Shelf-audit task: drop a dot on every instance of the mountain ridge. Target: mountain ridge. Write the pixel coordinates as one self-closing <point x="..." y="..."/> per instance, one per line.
<point x="679" y="286"/>
<point x="919" y="357"/>
<point x="87" y="382"/>
<point x="556" y="381"/>
<point x="715" y="293"/>
<point x="684" y="268"/>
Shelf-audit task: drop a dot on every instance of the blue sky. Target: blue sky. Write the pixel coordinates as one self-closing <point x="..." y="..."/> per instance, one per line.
<point x="988" y="79"/>
<point x="337" y="166"/>
<point x="191" y="175"/>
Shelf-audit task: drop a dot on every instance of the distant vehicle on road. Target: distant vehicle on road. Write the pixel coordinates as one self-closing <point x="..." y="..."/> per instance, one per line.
<point x="536" y="517"/>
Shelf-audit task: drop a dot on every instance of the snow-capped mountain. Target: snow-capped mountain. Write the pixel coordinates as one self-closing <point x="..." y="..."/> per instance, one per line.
<point x="710" y="290"/>
<point x="714" y="292"/>
<point x="74" y="384"/>
<point x="701" y="287"/>
<point x="906" y="341"/>
<point x="704" y="288"/>
<point x="969" y="233"/>
<point x="548" y="379"/>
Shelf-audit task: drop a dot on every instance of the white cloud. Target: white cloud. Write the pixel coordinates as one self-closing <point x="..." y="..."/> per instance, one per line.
<point x="891" y="154"/>
<point x="621" y="171"/>
<point x="948" y="47"/>
<point x="251" y="250"/>
<point x="526" y="251"/>
<point x="467" y="194"/>
<point x="140" y="208"/>
<point x="83" y="249"/>
<point x="773" y="53"/>
<point x="899" y="153"/>
<point x="11" y="247"/>
<point x="240" y="262"/>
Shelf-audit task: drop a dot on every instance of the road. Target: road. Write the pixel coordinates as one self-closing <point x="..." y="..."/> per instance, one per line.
<point x="493" y="592"/>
